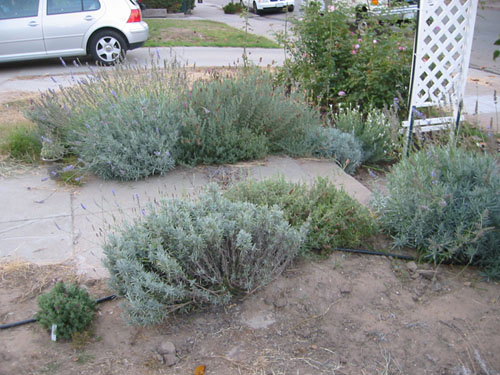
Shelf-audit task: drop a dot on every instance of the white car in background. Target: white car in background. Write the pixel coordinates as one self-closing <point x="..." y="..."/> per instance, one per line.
<point x="398" y="9"/>
<point x="401" y="9"/>
<point x="260" y="6"/>
<point x="103" y="29"/>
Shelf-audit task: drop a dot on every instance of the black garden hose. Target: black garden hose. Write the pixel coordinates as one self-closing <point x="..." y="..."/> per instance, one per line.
<point x="379" y="253"/>
<point x="22" y="322"/>
<point x="356" y="251"/>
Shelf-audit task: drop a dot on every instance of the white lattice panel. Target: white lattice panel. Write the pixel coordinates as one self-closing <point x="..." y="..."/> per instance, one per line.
<point x="442" y="52"/>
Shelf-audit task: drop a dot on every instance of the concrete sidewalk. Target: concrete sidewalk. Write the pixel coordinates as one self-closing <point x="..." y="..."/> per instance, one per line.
<point x="481" y="105"/>
<point x="43" y="222"/>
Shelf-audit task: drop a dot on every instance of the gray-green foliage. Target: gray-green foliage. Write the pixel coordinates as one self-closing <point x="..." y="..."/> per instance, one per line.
<point x="122" y="121"/>
<point x="445" y="202"/>
<point x="373" y="130"/>
<point x="336" y="219"/>
<point x="332" y="143"/>
<point x="192" y="253"/>
<point x="243" y="117"/>
<point x="130" y="122"/>
<point x="130" y="138"/>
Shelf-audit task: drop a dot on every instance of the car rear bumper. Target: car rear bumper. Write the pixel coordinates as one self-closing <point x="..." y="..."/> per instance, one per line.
<point x="137" y="33"/>
<point x="278" y="4"/>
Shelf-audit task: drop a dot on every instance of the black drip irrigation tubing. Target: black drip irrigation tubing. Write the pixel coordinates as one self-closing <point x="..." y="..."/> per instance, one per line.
<point x="356" y="251"/>
<point x="379" y="253"/>
<point x="27" y="321"/>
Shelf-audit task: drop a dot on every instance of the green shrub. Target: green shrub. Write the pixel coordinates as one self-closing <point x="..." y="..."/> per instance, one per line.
<point x="331" y="143"/>
<point x="373" y="130"/>
<point x="336" y="220"/>
<point x="23" y="143"/>
<point x="172" y="6"/>
<point x="339" y="64"/>
<point x="232" y="8"/>
<point x="445" y="202"/>
<point x="191" y="253"/>
<point x="68" y="306"/>
<point x="243" y="117"/>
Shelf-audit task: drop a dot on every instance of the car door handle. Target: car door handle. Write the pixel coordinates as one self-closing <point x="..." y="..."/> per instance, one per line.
<point x="33" y="23"/>
<point x="88" y="18"/>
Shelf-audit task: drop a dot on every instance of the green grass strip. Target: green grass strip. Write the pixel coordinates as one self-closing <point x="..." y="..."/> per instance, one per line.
<point x="175" y="33"/>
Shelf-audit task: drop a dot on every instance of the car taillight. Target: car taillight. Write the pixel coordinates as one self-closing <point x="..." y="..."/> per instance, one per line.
<point x="374" y="2"/>
<point x="135" y="16"/>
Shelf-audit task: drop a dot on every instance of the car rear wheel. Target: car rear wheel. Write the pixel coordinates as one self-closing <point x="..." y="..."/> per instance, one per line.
<point x="290" y="8"/>
<point x="108" y="47"/>
<point x="256" y="10"/>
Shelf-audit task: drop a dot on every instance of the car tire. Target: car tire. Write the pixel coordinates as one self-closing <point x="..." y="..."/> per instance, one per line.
<point x="108" y="47"/>
<point x="256" y="10"/>
<point x="291" y="8"/>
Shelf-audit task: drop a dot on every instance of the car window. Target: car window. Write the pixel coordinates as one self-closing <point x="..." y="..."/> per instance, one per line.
<point x="18" y="8"/>
<point x="91" y="5"/>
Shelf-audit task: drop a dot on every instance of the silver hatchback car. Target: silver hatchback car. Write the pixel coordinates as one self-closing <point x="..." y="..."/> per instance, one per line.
<point x="103" y="29"/>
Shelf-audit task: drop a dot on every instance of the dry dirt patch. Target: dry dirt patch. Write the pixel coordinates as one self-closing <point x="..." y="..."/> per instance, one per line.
<point x="348" y="314"/>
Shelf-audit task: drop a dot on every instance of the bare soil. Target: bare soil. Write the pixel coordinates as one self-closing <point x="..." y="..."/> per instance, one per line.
<point x="348" y="314"/>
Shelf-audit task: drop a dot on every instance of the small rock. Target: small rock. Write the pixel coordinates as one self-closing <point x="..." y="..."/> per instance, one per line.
<point x="280" y="302"/>
<point x="170" y="359"/>
<point x="432" y="359"/>
<point x="166" y="347"/>
<point x="305" y="333"/>
<point x="90" y="282"/>
<point x="159" y="358"/>
<point x="345" y="289"/>
<point x="269" y="301"/>
<point x="427" y="274"/>
<point x="437" y="287"/>
<point x="412" y="266"/>
<point x="467" y="284"/>
<point x="236" y="354"/>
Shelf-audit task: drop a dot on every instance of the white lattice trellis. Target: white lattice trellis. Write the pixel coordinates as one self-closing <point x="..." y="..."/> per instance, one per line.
<point x="441" y="58"/>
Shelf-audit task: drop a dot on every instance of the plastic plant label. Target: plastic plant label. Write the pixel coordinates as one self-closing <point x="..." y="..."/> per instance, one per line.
<point x="53" y="335"/>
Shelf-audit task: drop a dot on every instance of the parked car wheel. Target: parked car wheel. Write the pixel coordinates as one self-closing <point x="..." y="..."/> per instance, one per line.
<point x="108" y="47"/>
<point x="256" y="10"/>
<point x="291" y="8"/>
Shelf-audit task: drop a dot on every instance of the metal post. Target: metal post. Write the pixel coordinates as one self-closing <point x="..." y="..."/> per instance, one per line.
<point x="457" y="122"/>
<point x="410" y="130"/>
